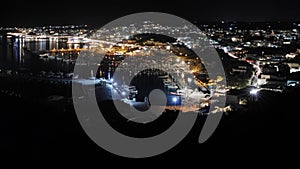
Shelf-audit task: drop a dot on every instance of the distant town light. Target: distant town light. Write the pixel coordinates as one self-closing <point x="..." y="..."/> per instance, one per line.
<point x="182" y="75"/>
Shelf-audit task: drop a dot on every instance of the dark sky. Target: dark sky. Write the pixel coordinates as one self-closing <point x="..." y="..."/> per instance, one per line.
<point x="62" y="12"/>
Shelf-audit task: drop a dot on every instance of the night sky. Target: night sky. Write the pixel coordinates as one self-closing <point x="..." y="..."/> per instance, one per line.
<point x="86" y="12"/>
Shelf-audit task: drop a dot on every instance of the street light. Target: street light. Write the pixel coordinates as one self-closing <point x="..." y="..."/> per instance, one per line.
<point x="174" y="100"/>
<point x="254" y="91"/>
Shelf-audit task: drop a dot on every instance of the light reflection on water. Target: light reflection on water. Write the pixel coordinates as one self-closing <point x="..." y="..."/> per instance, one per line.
<point x="15" y="55"/>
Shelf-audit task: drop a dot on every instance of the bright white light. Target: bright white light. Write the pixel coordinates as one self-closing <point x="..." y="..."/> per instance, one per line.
<point x="115" y="84"/>
<point x="123" y="93"/>
<point x="254" y="91"/>
<point x="189" y="80"/>
<point x="174" y="99"/>
<point x="111" y="79"/>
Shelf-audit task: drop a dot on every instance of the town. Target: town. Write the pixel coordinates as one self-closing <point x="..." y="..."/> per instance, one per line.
<point x="255" y="56"/>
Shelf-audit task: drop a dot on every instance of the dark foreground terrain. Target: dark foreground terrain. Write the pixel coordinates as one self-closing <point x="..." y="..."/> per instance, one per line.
<point x="41" y="129"/>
